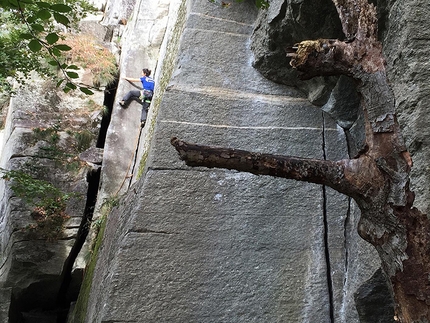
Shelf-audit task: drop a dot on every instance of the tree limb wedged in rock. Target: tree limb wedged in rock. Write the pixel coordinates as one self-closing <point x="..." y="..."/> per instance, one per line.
<point x="378" y="179"/>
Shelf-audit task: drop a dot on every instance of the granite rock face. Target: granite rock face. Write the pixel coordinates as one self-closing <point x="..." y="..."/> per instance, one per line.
<point x="211" y="245"/>
<point x="284" y="24"/>
<point x="406" y="42"/>
<point x="40" y="140"/>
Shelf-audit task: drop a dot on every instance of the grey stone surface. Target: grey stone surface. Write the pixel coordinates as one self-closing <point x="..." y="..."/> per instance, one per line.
<point x="29" y="264"/>
<point x="140" y="47"/>
<point x="406" y="44"/>
<point x="5" y="299"/>
<point x="373" y="305"/>
<point x="343" y="104"/>
<point x="210" y="257"/>
<point x="211" y="245"/>
<point x="282" y="25"/>
<point x="92" y="155"/>
<point x="352" y="260"/>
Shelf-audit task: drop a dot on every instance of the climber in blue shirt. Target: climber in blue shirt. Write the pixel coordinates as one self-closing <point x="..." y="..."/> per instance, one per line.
<point x="143" y="96"/>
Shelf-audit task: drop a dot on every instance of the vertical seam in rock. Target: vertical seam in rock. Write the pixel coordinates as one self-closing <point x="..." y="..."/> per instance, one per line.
<point x="345" y="247"/>
<point x="135" y="156"/>
<point x="326" y="244"/>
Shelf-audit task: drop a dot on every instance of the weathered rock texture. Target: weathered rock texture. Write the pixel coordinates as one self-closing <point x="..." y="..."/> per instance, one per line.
<point x="193" y="245"/>
<point x="406" y="43"/>
<point x="140" y="48"/>
<point x="210" y="245"/>
<point x="32" y="257"/>
<point x="45" y="133"/>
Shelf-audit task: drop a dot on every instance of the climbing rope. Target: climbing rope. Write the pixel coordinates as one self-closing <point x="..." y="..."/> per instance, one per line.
<point x="131" y="161"/>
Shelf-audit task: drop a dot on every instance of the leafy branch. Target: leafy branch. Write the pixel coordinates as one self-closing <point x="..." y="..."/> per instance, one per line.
<point x="42" y="21"/>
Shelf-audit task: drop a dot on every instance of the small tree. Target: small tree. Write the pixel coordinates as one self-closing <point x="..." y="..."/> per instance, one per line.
<point x="377" y="179"/>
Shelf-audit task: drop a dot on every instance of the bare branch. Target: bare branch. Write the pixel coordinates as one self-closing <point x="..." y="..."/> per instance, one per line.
<point x="346" y="176"/>
<point x="302" y="169"/>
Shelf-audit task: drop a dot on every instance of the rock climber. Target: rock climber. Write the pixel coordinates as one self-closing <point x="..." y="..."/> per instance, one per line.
<point x="143" y="96"/>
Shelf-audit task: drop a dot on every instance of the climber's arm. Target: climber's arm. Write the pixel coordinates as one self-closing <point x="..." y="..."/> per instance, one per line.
<point x="130" y="79"/>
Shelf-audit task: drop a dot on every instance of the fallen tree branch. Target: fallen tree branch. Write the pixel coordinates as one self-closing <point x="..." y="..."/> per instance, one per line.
<point x="378" y="179"/>
<point x="346" y="176"/>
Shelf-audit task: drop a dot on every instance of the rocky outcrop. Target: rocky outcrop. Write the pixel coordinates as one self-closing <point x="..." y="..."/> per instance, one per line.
<point x="140" y="47"/>
<point x="406" y="42"/>
<point x="211" y="245"/>
<point x="43" y="135"/>
<point x="215" y="245"/>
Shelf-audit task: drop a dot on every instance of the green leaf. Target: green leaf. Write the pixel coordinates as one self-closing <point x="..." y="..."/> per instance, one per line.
<point x="59" y="7"/>
<point x="41" y="4"/>
<point x="55" y="51"/>
<point x="86" y="90"/>
<point x="61" y="19"/>
<point x="60" y="82"/>
<point x="71" y="85"/>
<point x="37" y="27"/>
<point x="63" y="47"/>
<point x="13" y="3"/>
<point x="53" y="63"/>
<point x="52" y="38"/>
<point x="72" y="75"/>
<point x="72" y="67"/>
<point x="31" y="19"/>
<point x="35" y="45"/>
<point x="26" y="36"/>
<point x="43" y="14"/>
<point x="263" y="4"/>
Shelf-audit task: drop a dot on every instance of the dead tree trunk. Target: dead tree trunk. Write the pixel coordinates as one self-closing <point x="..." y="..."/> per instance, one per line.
<point x="378" y="179"/>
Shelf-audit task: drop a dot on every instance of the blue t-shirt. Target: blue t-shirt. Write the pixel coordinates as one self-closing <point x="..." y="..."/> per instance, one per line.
<point x="147" y="83"/>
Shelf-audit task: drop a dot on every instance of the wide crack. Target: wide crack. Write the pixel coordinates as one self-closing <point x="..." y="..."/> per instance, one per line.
<point x="63" y="298"/>
<point x="49" y="300"/>
<point x="93" y="179"/>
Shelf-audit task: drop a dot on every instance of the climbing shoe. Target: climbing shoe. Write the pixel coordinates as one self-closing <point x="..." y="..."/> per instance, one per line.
<point x="121" y="103"/>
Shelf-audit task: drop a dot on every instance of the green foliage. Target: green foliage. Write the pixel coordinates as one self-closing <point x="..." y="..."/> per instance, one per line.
<point x="31" y="39"/>
<point x="38" y="193"/>
<point x="48" y="202"/>
<point x="84" y="139"/>
<point x="86" y="52"/>
<point x="263" y="4"/>
<point x="64" y="155"/>
<point x="51" y="150"/>
<point x="49" y="134"/>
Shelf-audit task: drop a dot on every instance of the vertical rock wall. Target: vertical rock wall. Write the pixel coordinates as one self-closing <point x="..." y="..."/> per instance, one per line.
<point x="140" y="46"/>
<point x="406" y="40"/>
<point x="32" y="256"/>
<point x="210" y="245"/>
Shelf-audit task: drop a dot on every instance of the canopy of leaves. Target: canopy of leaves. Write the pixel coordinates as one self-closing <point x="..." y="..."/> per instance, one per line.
<point x="31" y="38"/>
